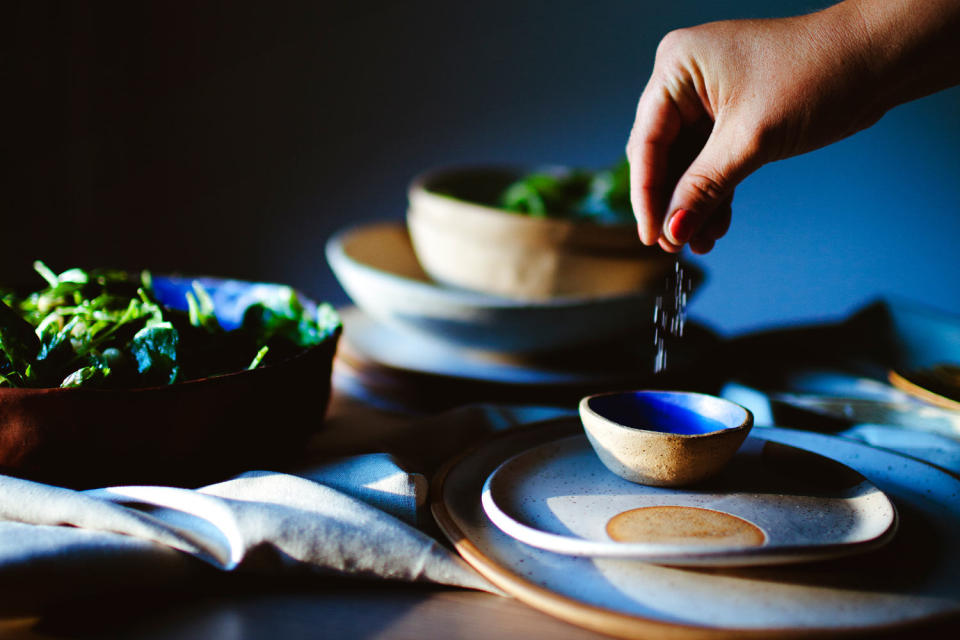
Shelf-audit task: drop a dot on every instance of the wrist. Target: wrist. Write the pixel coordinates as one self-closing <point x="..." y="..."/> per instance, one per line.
<point x="910" y="47"/>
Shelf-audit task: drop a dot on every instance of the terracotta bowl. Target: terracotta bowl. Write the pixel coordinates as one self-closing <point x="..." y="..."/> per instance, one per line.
<point x="462" y="241"/>
<point x="185" y="434"/>
<point x="664" y="438"/>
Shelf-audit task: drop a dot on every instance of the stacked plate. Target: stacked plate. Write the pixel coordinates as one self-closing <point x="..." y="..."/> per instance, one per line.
<point x="469" y="303"/>
<point x="803" y="535"/>
<point x="413" y="343"/>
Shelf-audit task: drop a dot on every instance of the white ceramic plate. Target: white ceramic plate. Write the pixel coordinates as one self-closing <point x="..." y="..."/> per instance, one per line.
<point x="376" y="266"/>
<point x="911" y="579"/>
<point x="410" y="352"/>
<point x="622" y="365"/>
<point x="773" y="504"/>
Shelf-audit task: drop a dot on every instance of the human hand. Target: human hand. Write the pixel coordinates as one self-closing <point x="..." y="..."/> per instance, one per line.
<point x="727" y="97"/>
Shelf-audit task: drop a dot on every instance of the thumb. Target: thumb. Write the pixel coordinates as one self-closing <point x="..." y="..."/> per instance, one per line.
<point x="708" y="183"/>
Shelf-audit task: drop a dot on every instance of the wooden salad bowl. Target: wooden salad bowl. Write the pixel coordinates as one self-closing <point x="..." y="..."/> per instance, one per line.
<point x="186" y="434"/>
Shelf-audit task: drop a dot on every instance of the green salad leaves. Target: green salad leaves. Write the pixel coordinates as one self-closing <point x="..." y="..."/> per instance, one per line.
<point x="106" y="328"/>
<point x="596" y="196"/>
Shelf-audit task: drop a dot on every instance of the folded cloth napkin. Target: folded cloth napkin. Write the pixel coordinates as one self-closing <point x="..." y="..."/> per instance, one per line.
<point x="352" y="517"/>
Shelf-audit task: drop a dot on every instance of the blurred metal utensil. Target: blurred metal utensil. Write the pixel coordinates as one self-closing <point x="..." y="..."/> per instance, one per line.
<point x="911" y="415"/>
<point x="938" y="385"/>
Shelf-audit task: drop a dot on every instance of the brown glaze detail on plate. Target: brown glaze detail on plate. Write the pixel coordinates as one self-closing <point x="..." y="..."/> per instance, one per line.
<point x="684" y="525"/>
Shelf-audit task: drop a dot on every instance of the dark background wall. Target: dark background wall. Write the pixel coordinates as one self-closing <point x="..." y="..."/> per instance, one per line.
<point x="233" y="138"/>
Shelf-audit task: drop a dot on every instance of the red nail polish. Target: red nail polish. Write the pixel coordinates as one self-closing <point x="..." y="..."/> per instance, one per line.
<point x="682" y="225"/>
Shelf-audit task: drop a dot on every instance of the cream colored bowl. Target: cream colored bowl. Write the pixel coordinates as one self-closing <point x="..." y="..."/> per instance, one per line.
<point x="462" y="242"/>
<point x="377" y="268"/>
<point x="664" y="438"/>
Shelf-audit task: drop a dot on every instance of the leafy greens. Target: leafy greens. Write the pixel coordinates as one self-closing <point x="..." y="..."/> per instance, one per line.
<point x="597" y="196"/>
<point x="107" y="329"/>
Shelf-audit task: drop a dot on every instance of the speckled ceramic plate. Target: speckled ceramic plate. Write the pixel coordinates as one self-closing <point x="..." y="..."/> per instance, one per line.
<point x="910" y="580"/>
<point x="773" y="504"/>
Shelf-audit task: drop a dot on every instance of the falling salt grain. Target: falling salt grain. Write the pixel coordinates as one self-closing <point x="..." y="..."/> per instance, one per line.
<point x="670" y="314"/>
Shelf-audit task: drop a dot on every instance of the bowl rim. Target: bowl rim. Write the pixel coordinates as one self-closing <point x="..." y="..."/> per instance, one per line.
<point x="424" y="182"/>
<point x="584" y="409"/>
<point x="336" y="254"/>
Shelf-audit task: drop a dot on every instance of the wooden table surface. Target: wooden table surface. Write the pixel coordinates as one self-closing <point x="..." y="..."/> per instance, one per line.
<point x="252" y="608"/>
<point x="271" y="612"/>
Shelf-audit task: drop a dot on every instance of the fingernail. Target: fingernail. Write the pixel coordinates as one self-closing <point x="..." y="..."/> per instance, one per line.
<point x="682" y="225"/>
<point x="668" y="246"/>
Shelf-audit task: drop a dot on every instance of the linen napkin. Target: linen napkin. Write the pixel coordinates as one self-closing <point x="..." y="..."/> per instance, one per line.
<point x="354" y="516"/>
<point x="351" y="517"/>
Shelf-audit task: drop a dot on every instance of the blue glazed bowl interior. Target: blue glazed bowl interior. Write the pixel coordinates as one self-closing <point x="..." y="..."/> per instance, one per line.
<point x="230" y="297"/>
<point x="669" y="412"/>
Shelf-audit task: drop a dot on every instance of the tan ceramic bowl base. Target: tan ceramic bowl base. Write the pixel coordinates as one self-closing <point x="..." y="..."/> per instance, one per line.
<point x="517" y="256"/>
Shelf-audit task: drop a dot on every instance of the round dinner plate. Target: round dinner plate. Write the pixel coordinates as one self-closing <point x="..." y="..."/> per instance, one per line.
<point x="773" y="504"/>
<point x="911" y="579"/>
<point x="618" y="364"/>
<point x="402" y="371"/>
<point x="389" y="346"/>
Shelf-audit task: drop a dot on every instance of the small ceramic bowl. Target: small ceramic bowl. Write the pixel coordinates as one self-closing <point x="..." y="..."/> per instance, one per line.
<point x="664" y="438"/>
<point x="461" y="239"/>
